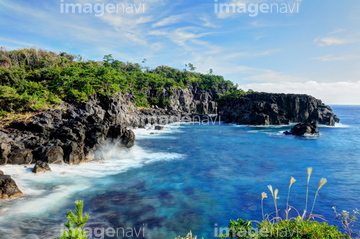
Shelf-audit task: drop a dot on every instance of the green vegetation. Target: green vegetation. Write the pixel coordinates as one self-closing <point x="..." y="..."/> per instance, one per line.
<point x="76" y="223"/>
<point x="301" y="226"/>
<point x="188" y="236"/>
<point x="347" y="220"/>
<point x="287" y="229"/>
<point x="33" y="79"/>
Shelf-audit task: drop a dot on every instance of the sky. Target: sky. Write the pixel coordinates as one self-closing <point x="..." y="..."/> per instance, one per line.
<point x="280" y="46"/>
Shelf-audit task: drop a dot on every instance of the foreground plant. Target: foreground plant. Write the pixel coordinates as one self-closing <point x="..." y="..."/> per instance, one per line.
<point x="188" y="236"/>
<point x="347" y="220"/>
<point x="300" y="226"/>
<point x="76" y="223"/>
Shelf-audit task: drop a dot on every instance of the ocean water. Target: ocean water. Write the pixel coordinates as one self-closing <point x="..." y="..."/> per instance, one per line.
<point x="190" y="177"/>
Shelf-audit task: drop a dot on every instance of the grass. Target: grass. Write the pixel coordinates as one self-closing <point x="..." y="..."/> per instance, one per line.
<point x="302" y="226"/>
<point x="8" y="118"/>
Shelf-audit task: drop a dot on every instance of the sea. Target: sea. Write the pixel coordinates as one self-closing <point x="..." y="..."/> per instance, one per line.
<point x="192" y="177"/>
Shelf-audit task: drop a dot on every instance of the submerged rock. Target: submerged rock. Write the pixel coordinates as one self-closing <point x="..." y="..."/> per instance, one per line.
<point x="8" y="188"/>
<point x="303" y="129"/>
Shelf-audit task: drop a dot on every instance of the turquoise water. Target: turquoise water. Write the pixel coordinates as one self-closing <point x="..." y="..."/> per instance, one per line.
<point x="192" y="177"/>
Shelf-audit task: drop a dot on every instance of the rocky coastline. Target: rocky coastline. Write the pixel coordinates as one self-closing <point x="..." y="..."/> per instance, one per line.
<point x="76" y="133"/>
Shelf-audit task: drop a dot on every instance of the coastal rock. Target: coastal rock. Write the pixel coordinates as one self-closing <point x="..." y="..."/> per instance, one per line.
<point x="159" y="127"/>
<point x="50" y="154"/>
<point x="71" y="134"/>
<point x="74" y="153"/>
<point x="277" y="109"/>
<point x="1" y="172"/>
<point x="5" y="150"/>
<point x="41" y="167"/>
<point x="303" y="129"/>
<point x="8" y="188"/>
<point x="20" y="155"/>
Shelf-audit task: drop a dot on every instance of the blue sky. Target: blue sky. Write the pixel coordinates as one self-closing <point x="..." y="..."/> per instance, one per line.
<point x="315" y="50"/>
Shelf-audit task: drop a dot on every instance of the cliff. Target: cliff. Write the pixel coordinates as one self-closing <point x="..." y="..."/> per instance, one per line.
<point x="277" y="109"/>
<point x="72" y="133"/>
<point x="192" y="100"/>
<point x="69" y="134"/>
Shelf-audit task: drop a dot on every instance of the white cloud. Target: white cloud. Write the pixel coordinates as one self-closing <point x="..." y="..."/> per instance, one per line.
<point x="180" y="35"/>
<point x="328" y="41"/>
<point x="206" y="22"/>
<point x="337" y="30"/>
<point x="344" y="92"/>
<point x="332" y="57"/>
<point x="169" y="21"/>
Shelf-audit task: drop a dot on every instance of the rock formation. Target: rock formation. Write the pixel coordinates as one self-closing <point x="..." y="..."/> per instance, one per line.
<point x="70" y="134"/>
<point x="41" y="167"/>
<point x="8" y="187"/>
<point x="73" y="133"/>
<point x="303" y="129"/>
<point x="277" y="109"/>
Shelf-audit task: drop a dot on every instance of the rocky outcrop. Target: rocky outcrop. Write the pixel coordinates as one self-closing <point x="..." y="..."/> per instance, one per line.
<point x="303" y="129"/>
<point x="8" y="187"/>
<point x="75" y="133"/>
<point x="277" y="109"/>
<point x="191" y="100"/>
<point x="41" y="167"/>
<point x="70" y="134"/>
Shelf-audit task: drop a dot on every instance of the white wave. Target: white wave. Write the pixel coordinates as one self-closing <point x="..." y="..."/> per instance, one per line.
<point x="337" y="125"/>
<point x="47" y="191"/>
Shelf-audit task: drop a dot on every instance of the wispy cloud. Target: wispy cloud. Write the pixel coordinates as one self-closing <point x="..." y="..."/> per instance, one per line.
<point x="205" y="21"/>
<point x="180" y="35"/>
<point x="332" y="57"/>
<point x="328" y="41"/>
<point x="337" y="30"/>
<point x="169" y="20"/>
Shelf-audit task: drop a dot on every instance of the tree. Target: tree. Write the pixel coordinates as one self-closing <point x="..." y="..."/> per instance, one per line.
<point x="76" y="223"/>
<point x="192" y="67"/>
<point x="210" y="71"/>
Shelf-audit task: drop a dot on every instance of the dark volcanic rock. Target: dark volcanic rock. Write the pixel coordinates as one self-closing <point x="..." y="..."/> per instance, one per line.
<point x="303" y="129"/>
<point x="49" y="154"/>
<point x="5" y="149"/>
<point x="159" y="127"/>
<point x="41" y="167"/>
<point x="277" y="109"/>
<point x="20" y="155"/>
<point x="8" y="188"/>
<point x="128" y="138"/>
<point x="72" y="134"/>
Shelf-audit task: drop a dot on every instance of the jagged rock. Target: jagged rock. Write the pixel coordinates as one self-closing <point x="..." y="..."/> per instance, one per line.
<point x="41" y="167"/>
<point x="50" y="154"/>
<point x="303" y="129"/>
<point x="277" y="109"/>
<point x="1" y="172"/>
<point x="128" y="138"/>
<point x="78" y="132"/>
<point x="159" y="127"/>
<point x="20" y="155"/>
<point x="74" y="153"/>
<point x="8" y="188"/>
<point x="5" y="149"/>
